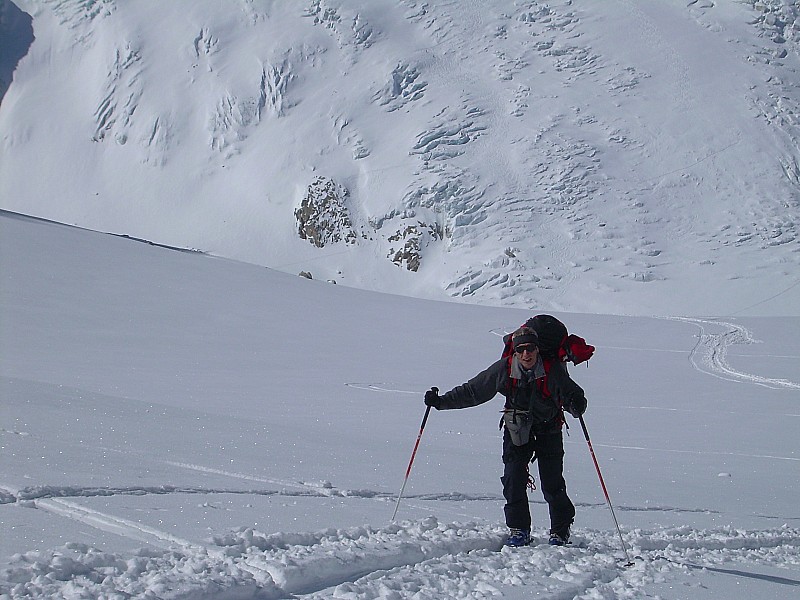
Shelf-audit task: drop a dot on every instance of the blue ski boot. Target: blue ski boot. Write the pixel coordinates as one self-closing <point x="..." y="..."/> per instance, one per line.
<point x="559" y="539"/>
<point x="518" y="537"/>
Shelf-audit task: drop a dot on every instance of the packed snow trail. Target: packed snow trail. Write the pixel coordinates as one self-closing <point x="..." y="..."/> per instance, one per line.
<point x="710" y="354"/>
<point x="422" y="559"/>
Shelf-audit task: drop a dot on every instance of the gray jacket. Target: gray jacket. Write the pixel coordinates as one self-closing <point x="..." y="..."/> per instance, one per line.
<point x="543" y="391"/>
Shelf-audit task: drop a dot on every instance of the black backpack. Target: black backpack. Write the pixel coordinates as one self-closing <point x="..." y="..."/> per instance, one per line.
<point x="555" y="342"/>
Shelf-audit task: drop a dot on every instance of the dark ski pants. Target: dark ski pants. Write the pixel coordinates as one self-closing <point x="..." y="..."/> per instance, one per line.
<point x="549" y="449"/>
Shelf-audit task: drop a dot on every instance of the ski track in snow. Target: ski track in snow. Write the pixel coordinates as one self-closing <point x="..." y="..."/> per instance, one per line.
<point x="710" y="354"/>
<point x="424" y="559"/>
<point x="420" y="559"/>
<point x="413" y="559"/>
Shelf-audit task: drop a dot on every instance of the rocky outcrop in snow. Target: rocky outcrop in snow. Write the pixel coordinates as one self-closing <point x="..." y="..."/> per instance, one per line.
<point x="322" y="217"/>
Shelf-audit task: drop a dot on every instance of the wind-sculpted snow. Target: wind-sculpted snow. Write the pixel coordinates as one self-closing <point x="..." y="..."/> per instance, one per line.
<point x="404" y="86"/>
<point x="235" y="116"/>
<point x="78" y="13"/>
<point x="448" y="133"/>
<point x="348" y="27"/>
<point x="120" y="96"/>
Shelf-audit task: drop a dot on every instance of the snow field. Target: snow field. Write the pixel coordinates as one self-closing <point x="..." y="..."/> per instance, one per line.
<point x="156" y="444"/>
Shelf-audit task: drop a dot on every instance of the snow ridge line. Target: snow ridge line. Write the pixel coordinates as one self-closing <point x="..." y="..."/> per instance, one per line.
<point x="47" y="491"/>
<point x="701" y="452"/>
<point x="710" y="353"/>
<point x="319" y="488"/>
<point x="33" y="496"/>
<point x="28" y="494"/>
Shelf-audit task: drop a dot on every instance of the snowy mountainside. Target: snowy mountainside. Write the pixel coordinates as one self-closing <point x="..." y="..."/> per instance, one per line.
<point x="629" y="157"/>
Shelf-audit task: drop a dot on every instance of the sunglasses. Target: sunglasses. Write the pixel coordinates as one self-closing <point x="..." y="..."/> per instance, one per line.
<point x="526" y="348"/>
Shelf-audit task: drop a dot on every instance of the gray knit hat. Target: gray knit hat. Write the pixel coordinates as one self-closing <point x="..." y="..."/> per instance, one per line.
<point x="524" y="335"/>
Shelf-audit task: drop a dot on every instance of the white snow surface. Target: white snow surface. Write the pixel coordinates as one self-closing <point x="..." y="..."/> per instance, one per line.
<point x="623" y="157"/>
<point x="177" y="425"/>
<point x="204" y="424"/>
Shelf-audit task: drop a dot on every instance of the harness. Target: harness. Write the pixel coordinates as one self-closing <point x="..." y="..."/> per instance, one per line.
<point x="541" y="386"/>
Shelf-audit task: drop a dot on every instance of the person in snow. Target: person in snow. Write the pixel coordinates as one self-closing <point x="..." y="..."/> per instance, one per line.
<point x="537" y="392"/>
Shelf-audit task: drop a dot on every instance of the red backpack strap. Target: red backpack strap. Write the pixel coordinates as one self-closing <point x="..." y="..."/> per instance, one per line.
<point x="513" y="381"/>
<point x="545" y="390"/>
<point x="508" y="354"/>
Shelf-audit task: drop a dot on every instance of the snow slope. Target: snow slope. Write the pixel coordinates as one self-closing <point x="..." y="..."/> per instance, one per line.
<point x="618" y="157"/>
<point x="176" y="425"/>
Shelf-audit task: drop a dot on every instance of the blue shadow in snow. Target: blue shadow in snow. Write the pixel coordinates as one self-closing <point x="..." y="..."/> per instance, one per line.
<point x="738" y="573"/>
<point x="16" y="37"/>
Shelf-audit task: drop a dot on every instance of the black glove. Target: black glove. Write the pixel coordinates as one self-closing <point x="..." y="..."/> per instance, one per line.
<point x="576" y="406"/>
<point x="432" y="398"/>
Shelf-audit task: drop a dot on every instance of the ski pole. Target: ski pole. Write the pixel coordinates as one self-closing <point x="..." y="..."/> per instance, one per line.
<point x="411" y="462"/>
<point x="605" y="491"/>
